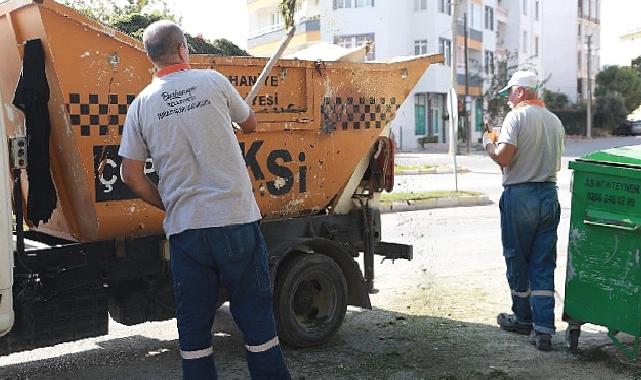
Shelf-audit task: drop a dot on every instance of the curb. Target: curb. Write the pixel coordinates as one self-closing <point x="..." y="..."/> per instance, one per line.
<point x="435" y="170"/>
<point x="425" y="204"/>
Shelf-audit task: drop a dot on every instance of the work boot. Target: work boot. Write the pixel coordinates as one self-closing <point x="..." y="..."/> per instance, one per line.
<point x="542" y="341"/>
<point x="509" y="323"/>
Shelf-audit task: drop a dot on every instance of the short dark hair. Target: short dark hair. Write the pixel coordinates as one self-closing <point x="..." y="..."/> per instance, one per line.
<point x="161" y="38"/>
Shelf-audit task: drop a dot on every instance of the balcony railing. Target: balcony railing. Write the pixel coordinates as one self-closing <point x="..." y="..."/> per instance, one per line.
<point x="275" y="33"/>
<point x="501" y="14"/>
<point x="281" y="26"/>
<point x="474" y="34"/>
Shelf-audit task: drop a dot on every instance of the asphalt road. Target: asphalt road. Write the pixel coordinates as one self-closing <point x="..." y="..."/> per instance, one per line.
<point x="457" y="252"/>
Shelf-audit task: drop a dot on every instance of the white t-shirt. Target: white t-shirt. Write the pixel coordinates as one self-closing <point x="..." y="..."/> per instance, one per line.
<point x="183" y="122"/>
<point x="538" y="136"/>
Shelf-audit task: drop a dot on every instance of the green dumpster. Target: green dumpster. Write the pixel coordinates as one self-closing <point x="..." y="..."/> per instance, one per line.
<point x="603" y="280"/>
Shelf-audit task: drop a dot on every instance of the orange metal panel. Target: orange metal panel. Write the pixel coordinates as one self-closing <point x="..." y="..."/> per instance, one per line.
<point x="316" y="120"/>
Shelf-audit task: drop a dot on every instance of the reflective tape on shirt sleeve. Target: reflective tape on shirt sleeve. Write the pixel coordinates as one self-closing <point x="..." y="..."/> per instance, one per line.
<point x="524" y="294"/>
<point x="197" y="354"/>
<point x="543" y="293"/>
<point x="263" y="347"/>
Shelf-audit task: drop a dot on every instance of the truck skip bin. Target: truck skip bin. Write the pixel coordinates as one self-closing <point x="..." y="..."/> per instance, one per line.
<point x="318" y="163"/>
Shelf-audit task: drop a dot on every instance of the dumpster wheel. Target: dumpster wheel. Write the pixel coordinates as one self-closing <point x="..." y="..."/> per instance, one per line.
<point x="310" y="300"/>
<point x="572" y="337"/>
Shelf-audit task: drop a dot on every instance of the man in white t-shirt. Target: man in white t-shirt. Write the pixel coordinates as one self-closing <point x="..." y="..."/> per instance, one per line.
<point x="183" y="121"/>
<point x="529" y="152"/>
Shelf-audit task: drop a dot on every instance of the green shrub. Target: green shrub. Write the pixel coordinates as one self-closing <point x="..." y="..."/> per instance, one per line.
<point x="574" y="120"/>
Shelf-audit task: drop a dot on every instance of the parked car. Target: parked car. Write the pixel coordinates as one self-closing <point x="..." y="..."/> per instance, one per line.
<point x="628" y="128"/>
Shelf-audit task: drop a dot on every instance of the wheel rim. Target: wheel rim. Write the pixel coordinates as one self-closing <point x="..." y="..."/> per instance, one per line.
<point x="314" y="303"/>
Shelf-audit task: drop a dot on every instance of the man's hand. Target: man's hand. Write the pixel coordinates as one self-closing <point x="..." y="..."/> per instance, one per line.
<point x="489" y="138"/>
<point x="133" y="175"/>
<point x="249" y="125"/>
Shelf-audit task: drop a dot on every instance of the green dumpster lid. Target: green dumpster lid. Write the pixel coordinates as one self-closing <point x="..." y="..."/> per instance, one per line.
<point x="621" y="156"/>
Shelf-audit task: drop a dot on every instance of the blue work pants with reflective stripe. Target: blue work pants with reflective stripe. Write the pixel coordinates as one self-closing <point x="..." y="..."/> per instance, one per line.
<point x="236" y="256"/>
<point x="530" y="215"/>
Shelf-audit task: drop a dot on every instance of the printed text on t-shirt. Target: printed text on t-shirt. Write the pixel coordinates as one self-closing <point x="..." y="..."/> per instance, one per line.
<point x="180" y="101"/>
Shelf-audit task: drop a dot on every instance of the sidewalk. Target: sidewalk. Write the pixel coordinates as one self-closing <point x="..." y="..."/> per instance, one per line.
<point x="426" y="204"/>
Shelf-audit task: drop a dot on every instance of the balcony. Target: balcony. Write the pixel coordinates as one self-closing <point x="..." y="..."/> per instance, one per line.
<point x="277" y="32"/>
<point x="501" y="14"/>
<point x="475" y="35"/>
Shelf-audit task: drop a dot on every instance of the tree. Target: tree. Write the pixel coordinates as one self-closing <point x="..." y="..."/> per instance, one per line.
<point x="135" y="15"/>
<point x="497" y="106"/>
<point x="636" y="64"/>
<point x="555" y="100"/>
<point x="622" y="80"/>
<point x="610" y="111"/>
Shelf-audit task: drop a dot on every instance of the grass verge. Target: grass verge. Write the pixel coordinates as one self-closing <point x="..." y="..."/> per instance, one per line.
<point x="396" y="197"/>
<point x="404" y="168"/>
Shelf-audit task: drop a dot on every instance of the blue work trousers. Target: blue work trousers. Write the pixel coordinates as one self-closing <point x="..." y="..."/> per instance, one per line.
<point x="530" y="215"/>
<point x="236" y="256"/>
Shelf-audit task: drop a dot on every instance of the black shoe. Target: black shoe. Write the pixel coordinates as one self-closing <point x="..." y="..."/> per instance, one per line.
<point x="543" y="342"/>
<point x="509" y="323"/>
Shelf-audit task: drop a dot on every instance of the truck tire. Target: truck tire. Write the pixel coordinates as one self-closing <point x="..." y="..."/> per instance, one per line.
<point x="310" y="300"/>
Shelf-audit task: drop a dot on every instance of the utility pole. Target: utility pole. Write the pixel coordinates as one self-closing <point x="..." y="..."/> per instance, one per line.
<point x="454" y="80"/>
<point x="468" y="127"/>
<point x="589" y="115"/>
<point x="452" y="98"/>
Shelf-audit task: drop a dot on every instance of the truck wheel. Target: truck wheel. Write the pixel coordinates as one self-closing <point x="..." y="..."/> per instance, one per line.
<point x="310" y="300"/>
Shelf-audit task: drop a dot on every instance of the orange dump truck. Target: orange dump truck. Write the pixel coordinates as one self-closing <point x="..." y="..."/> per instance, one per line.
<point x="318" y="163"/>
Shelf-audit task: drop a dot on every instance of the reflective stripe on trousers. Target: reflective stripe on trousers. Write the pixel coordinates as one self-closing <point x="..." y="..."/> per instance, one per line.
<point x="190" y="355"/>
<point x="265" y="346"/>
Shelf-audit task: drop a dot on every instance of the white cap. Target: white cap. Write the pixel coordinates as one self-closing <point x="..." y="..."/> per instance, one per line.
<point x="520" y="79"/>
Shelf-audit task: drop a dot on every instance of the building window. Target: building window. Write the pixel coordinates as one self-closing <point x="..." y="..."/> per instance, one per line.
<point x="579" y="31"/>
<point x="524" y="7"/>
<point x="476" y="17"/>
<point x="489" y="18"/>
<point x="356" y="40"/>
<point x="579" y="88"/>
<point x="597" y="15"/>
<point x="277" y="20"/>
<point x="536" y="10"/>
<point x="435" y="120"/>
<point x="525" y="42"/>
<point x="444" y="7"/>
<point x="342" y="4"/>
<point x="489" y="62"/>
<point x="536" y="46"/>
<point x="420" y="106"/>
<point x="445" y="48"/>
<point x="363" y="3"/>
<point x="578" y="60"/>
<point x="420" y="5"/>
<point x="420" y="47"/>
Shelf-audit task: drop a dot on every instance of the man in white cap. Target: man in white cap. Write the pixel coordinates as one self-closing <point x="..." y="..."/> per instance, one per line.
<point x="529" y="149"/>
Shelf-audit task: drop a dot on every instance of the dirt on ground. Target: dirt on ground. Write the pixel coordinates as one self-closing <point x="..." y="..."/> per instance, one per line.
<point x="433" y="317"/>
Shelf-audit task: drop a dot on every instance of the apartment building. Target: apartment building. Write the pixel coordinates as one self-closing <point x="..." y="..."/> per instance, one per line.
<point x="267" y="29"/>
<point x="571" y="34"/>
<point x="496" y="30"/>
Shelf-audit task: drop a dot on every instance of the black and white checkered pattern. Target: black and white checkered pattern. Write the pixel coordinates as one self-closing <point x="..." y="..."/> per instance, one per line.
<point x="98" y="116"/>
<point x="357" y="113"/>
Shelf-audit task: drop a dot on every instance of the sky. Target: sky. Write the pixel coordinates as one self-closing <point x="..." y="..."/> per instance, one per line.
<point x="215" y="19"/>
<point x="228" y="19"/>
<point x="617" y="18"/>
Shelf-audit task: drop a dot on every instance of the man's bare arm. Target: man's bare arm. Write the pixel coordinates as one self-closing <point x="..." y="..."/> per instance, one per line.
<point x="249" y="125"/>
<point x="501" y="154"/>
<point x="133" y="175"/>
